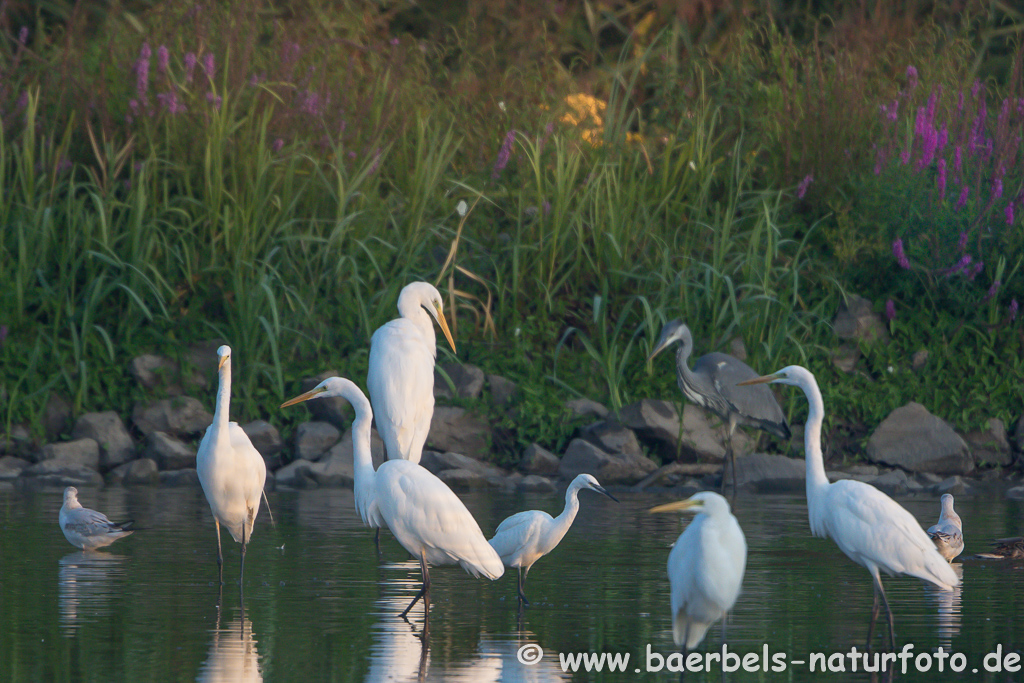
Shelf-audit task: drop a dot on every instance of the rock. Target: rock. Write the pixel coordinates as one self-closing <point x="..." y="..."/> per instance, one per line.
<point x="141" y="472"/>
<point x="296" y="474"/>
<point x="738" y="349"/>
<point x="538" y="460"/>
<point x="915" y="440"/>
<point x="858" y="320"/>
<point x="1015" y="493"/>
<point x="703" y="436"/>
<point x="108" y="430"/>
<point x="609" y="468"/>
<point x="57" y="472"/>
<point x="845" y="357"/>
<point x="676" y="473"/>
<point x="927" y="478"/>
<point x="468" y="381"/>
<point x="267" y="440"/>
<point x="612" y="438"/>
<point x="187" y="477"/>
<point x="181" y="416"/>
<point x="862" y="469"/>
<point x="584" y="407"/>
<point x="533" y="483"/>
<point x="169" y="453"/>
<point x="1018" y="435"/>
<point x="457" y="430"/>
<point x="767" y="473"/>
<point x="157" y="373"/>
<point x="335" y="467"/>
<point x="463" y="480"/>
<point x="19" y="442"/>
<point x="989" y="446"/>
<point x="893" y="483"/>
<point x="954" y="485"/>
<point x="11" y="467"/>
<point x="334" y="409"/>
<point x="56" y="416"/>
<point x="655" y="422"/>
<point x="503" y="391"/>
<point x="439" y="462"/>
<point x="82" y="452"/>
<point x="313" y="439"/>
<point x="919" y="360"/>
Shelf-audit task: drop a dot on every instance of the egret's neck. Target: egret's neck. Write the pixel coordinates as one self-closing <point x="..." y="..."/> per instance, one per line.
<point x="816" y="479"/>
<point x="572" y="506"/>
<point x="223" y="407"/>
<point x="362" y="459"/>
<point x="414" y="312"/>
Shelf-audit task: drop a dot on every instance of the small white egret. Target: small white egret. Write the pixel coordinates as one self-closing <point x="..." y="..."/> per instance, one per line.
<point x="527" y="536"/>
<point x="871" y="528"/>
<point x="231" y="470"/>
<point x="426" y="517"/>
<point x="705" y="567"/>
<point x="947" y="533"/>
<point x="85" y="528"/>
<point x="401" y="374"/>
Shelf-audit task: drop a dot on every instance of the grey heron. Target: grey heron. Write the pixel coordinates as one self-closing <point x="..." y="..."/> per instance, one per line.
<point x="712" y="385"/>
<point x="948" y="532"/>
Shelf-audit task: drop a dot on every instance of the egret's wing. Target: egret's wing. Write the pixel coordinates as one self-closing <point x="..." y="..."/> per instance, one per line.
<point x="519" y="532"/>
<point x="254" y="469"/>
<point x="401" y="385"/>
<point x="756" y="402"/>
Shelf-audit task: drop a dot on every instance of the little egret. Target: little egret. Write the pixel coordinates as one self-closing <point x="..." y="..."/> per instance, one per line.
<point x="705" y="567"/>
<point x="947" y="533"/>
<point x="1005" y="549"/>
<point x="527" y="536"/>
<point x="85" y="528"/>
<point x="401" y="375"/>
<point x="231" y="470"/>
<point x="714" y="384"/>
<point x="426" y="517"/>
<point x="872" y="529"/>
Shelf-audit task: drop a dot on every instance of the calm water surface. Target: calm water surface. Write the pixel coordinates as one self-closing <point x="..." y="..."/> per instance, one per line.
<point x="320" y="606"/>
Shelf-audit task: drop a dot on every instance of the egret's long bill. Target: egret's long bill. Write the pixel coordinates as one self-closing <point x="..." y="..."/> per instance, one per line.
<point x="444" y="328"/>
<point x="763" y="379"/>
<point x="312" y="393"/>
<point x="691" y="504"/>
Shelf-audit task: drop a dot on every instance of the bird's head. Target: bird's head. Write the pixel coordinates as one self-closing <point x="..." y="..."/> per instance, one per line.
<point x="707" y="502"/>
<point x="70" y="494"/>
<point x="674" y="330"/>
<point x="223" y="355"/>
<point x="946" y="501"/>
<point x="425" y="295"/>
<point x="588" y="481"/>
<point x="793" y="375"/>
<point x="334" y="387"/>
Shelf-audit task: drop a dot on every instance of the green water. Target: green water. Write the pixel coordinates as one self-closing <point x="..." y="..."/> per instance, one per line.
<point x="320" y="606"/>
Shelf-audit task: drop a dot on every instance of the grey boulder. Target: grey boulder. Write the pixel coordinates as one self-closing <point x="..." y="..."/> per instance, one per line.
<point x="108" y="430"/>
<point x="913" y="439"/>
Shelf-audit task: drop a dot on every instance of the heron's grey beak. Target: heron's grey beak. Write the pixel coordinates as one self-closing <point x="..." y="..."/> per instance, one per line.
<point x="764" y="379"/>
<point x="657" y="349"/>
<point x="600" y="489"/>
<point x="312" y="393"/>
<point x="678" y="506"/>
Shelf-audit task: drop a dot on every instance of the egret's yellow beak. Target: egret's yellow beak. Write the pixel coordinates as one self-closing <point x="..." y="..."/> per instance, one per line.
<point x="444" y="328"/>
<point x="312" y="393"/>
<point x="678" y="506"/>
<point x="764" y="379"/>
<point x="222" y="361"/>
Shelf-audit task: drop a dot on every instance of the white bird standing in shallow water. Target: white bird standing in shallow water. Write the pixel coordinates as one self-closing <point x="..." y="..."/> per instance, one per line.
<point x="947" y="533"/>
<point x="426" y="517"/>
<point x="231" y="470"/>
<point x="85" y="528"/>
<point x="401" y="375"/>
<point x="705" y="567"/>
<point x="527" y="536"/>
<point x="872" y="529"/>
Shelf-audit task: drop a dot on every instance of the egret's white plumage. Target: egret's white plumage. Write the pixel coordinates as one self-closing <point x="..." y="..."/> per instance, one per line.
<point x="426" y="517"/>
<point x="401" y="374"/>
<point x="231" y="470"/>
<point x="705" y="567"/>
<point x="947" y="533"/>
<point x="527" y="536"/>
<point x="871" y="528"/>
<point x="85" y="528"/>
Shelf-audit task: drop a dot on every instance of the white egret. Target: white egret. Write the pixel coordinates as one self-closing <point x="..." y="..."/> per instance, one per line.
<point x="947" y="533"/>
<point x="85" y="528"/>
<point x="426" y="517"/>
<point x="871" y="528"/>
<point x="527" y="536"/>
<point x="231" y="470"/>
<point x="705" y="567"/>
<point x="401" y="375"/>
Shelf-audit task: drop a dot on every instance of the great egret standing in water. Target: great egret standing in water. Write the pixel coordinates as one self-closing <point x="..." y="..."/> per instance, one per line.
<point x="231" y="470"/>
<point x="527" y="536"/>
<point x="426" y="517"/>
<point x="947" y="533"/>
<point x="85" y="528"/>
<point x="705" y="567"/>
<point x="872" y="529"/>
<point x="714" y="384"/>
<point x="401" y="375"/>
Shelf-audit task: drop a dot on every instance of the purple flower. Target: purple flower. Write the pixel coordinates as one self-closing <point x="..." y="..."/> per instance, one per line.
<point x="214" y="99"/>
<point x="992" y="291"/>
<point x="911" y="78"/>
<point x="163" y="58"/>
<point x="958" y="158"/>
<point x="504" y="154"/>
<point x="997" y="188"/>
<point x="801" y="189"/>
<point x="3" y="333"/>
<point x="190" y="66"/>
<point x="278" y="144"/>
<point x="890" y="310"/>
<point x="975" y="89"/>
<point x="142" y="72"/>
<point x="1013" y="309"/>
<point x="394" y="42"/>
<point x="961" y="265"/>
<point x="171" y="103"/>
<point x="901" y="256"/>
<point x="941" y="179"/>
<point x="962" y="244"/>
<point x="23" y="39"/>
<point x="1009" y="213"/>
<point x="63" y="165"/>
<point x="978" y="267"/>
<point x="311" y="104"/>
<point x="894" y="110"/>
<point x="962" y="201"/>
<point x="943" y="136"/>
<point x="208" y="64"/>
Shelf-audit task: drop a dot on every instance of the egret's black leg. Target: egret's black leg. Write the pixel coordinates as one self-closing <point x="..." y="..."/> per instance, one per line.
<point x="888" y="611"/>
<point x="522" y="586"/>
<point x="220" y="555"/>
<point x="874" y="616"/>
<point x="424" y="591"/>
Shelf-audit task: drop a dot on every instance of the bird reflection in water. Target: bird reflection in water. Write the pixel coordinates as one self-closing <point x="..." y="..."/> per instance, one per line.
<point x="87" y="582"/>
<point x="400" y="652"/>
<point x="233" y="655"/>
<point x="949" y="604"/>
